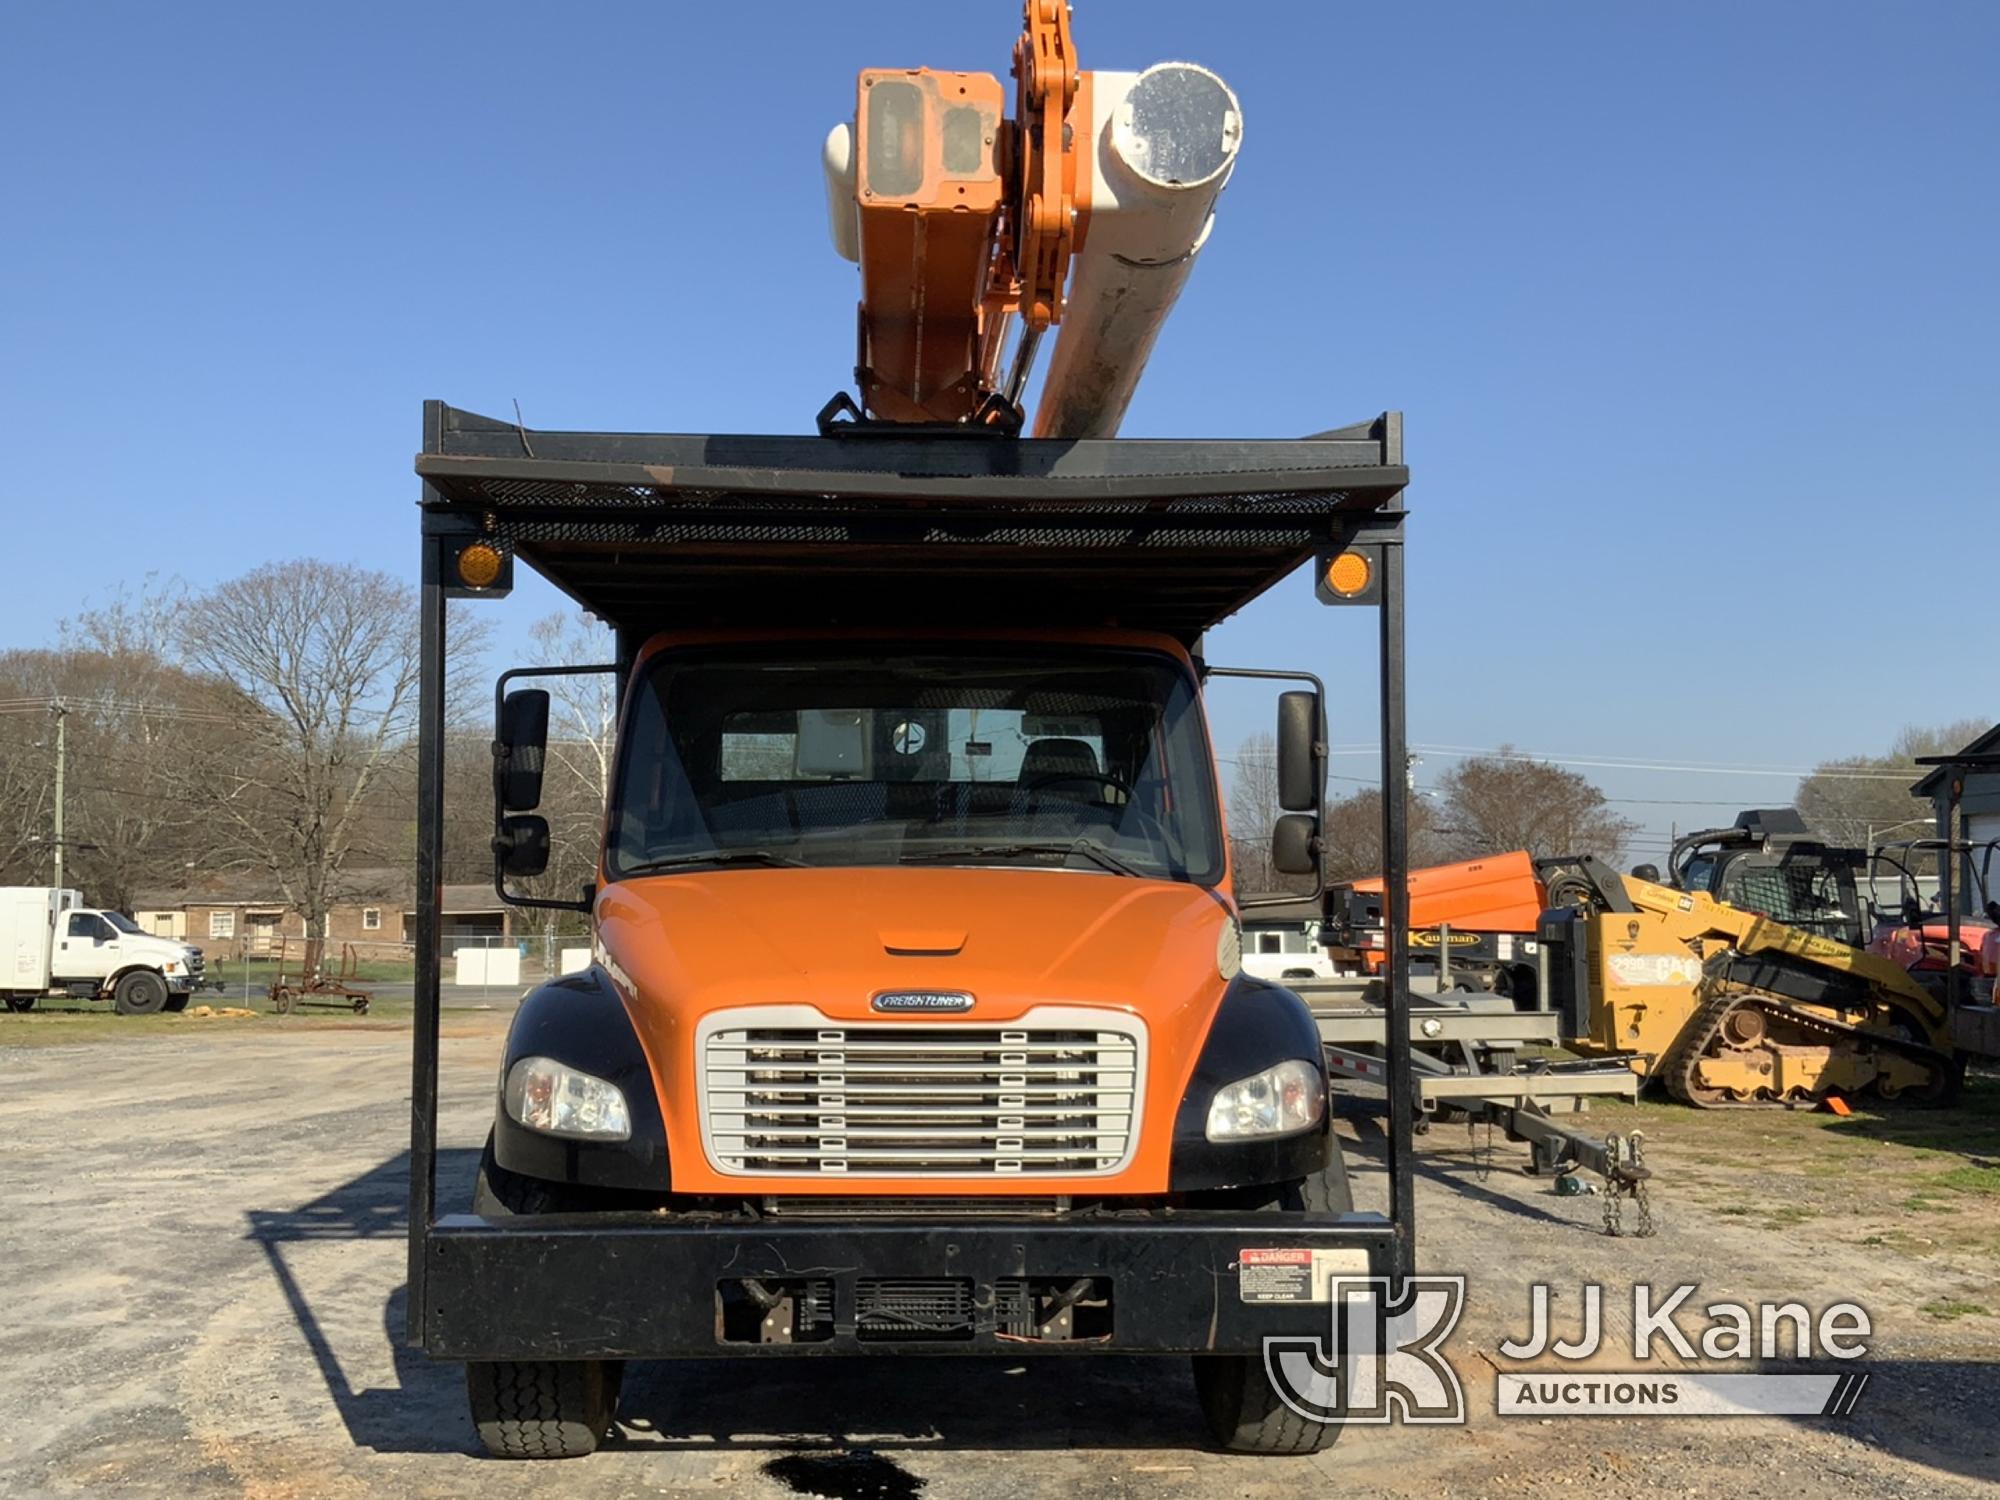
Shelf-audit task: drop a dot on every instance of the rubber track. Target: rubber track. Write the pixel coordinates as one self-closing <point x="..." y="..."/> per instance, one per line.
<point x="1677" y="1068"/>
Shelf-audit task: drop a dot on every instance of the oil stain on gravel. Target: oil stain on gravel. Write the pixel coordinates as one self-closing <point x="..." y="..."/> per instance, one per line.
<point x="860" y="1475"/>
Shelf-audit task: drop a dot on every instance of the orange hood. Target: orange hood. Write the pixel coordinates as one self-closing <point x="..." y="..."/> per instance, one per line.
<point x="684" y="946"/>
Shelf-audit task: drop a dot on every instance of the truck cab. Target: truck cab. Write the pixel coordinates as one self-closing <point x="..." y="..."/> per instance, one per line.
<point x="52" y="944"/>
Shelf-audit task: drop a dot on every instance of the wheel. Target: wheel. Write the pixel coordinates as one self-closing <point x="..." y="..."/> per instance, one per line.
<point x="542" y="1408"/>
<point x="176" y="1002"/>
<point x="536" y="1408"/>
<point x="500" y="1194"/>
<point x="283" y="1001"/>
<point x="1572" y="889"/>
<point x="20" y="1002"/>
<point x="361" y="1005"/>
<point x="1244" y="1411"/>
<point x="140" y="993"/>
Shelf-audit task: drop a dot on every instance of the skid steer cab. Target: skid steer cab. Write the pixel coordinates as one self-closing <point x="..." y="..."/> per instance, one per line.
<point x="914" y="1018"/>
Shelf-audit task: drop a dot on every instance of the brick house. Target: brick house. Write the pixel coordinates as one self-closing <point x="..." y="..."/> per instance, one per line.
<point x="234" y="916"/>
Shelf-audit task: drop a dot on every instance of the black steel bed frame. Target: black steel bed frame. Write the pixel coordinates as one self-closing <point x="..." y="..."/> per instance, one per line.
<point x="648" y="530"/>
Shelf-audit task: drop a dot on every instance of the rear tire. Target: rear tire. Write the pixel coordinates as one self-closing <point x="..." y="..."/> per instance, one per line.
<point x="543" y="1408"/>
<point x="20" y="1003"/>
<point x="140" y="993"/>
<point x="1244" y="1411"/>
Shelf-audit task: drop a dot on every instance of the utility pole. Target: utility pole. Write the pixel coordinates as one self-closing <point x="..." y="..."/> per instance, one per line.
<point x="61" y="710"/>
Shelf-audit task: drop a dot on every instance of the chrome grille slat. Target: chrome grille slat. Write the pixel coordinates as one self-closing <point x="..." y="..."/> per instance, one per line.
<point x="785" y="1092"/>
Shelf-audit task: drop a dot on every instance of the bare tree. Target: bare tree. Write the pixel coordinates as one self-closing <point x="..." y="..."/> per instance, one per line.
<point x="583" y="727"/>
<point x="1860" y="798"/>
<point x="1253" y="813"/>
<point x="322" y="659"/>
<point x="1508" y="801"/>
<point x="131" y="721"/>
<point x="1353" y="836"/>
<point x="583" y="710"/>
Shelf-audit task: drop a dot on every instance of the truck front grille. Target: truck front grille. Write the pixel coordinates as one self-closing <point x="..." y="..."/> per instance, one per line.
<point x="785" y="1092"/>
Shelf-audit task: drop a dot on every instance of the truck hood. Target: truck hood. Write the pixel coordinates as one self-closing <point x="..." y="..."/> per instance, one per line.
<point x="681" y="948"/>
<point x="835" y="937"/>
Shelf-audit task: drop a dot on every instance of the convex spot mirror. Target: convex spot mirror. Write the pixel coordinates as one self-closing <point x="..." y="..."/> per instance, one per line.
<point x="520" y="748"/>
<point x="522" y="845"/>
<point x="1295" y="844"/>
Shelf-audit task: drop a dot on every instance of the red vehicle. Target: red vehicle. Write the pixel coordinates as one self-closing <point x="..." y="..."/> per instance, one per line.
<point x="1919" y="938"/>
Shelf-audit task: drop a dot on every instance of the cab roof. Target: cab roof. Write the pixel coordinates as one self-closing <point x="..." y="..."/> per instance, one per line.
<point x="906" y="528"/>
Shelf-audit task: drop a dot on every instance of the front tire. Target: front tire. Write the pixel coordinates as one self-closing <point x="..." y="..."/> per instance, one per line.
<point x="1244" y="1411"/>
<point x="537" y="1408"/>
<point x="542" y="1408"/>
<point x="140" y="993"/>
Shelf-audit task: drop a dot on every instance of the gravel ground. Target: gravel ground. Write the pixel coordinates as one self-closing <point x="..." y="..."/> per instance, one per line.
<point x="205" y="1245"/>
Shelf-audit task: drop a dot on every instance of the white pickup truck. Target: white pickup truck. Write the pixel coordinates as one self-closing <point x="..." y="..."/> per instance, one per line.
<point x="52" y="944"/>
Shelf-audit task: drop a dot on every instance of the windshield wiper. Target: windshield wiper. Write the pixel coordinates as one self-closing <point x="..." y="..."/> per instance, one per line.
<point x="713" y="857"/>
<point x="1091" y="849"/>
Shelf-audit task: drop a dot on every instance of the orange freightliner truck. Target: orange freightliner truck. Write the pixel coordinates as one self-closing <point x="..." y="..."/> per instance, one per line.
<point x="916" y="1019"/>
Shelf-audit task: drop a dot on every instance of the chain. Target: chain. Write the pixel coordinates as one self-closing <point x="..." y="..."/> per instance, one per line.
<point x="1625" y="1177"/>
<point x="1614" y="1155"/>
<point x="1639" y="1181"/>
<point x="1482" y="1156"/>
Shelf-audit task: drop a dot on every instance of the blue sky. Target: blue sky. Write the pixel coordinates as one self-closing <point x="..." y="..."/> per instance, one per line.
<point x="1691" y="310"/>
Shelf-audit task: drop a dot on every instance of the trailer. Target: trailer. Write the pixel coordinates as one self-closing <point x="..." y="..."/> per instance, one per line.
<point x="1476" y="1058"/>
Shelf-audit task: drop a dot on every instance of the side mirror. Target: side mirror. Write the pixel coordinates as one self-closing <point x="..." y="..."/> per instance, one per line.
<point x="521" y="846"/>
<point x="1300" y="781"/>
<point x="1295" y="841"/>
<point x="520" y="746"/>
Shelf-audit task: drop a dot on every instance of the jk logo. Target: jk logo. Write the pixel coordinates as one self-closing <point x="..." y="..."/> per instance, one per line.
<point x="1381" y="1359"/>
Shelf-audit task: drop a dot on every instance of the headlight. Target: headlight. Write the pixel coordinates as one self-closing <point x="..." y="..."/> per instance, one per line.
<point x="1278" y="1101"/>
<point x="556" y="1099"/>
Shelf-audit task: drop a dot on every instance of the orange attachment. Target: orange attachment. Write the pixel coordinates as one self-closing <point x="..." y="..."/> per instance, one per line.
<point x="1498" y="893"/>
<point x="928" y="192"/>
<point x="964" y="218"/>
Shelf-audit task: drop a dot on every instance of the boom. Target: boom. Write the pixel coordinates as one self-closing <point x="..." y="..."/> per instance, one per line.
<point x="1084" y="211"/>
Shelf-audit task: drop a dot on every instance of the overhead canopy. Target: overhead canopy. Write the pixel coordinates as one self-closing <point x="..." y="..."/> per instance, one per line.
<point x="906" y="530"/>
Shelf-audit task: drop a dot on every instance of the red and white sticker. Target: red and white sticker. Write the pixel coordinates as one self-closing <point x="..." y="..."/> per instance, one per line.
<point x="1287" y="1275"/>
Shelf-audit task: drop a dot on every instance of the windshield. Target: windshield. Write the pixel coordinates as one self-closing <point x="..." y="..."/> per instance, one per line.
<point x="860" y="756"/>
<point x="1800" y="893"/>
<point x="122" y="923"/>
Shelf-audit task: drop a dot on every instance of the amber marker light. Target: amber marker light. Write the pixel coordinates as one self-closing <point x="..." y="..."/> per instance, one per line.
<point x="1348" y="574"/>
<point x="479" y="566"/>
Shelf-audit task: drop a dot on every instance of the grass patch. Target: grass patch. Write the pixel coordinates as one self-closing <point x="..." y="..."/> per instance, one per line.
<point x="1977" y="1178"/>
<point x="1734" y="1211"/>
<point x="107" y="1025"/>
<point x="1918" y="1204"/>
<point x="1946" y="1309"/>
<point x="1787" y="1214"/>
<point x="74" y="1026"/>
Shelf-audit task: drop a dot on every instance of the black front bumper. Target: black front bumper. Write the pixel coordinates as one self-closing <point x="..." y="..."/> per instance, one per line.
<point x="639" y="1286"/>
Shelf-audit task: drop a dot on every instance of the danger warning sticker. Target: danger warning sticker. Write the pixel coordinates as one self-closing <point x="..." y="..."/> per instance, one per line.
<point x="1283" y="1275"/>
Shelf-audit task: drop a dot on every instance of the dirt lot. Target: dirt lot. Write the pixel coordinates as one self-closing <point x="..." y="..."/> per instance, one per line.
<point x="204" y="1250"/>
